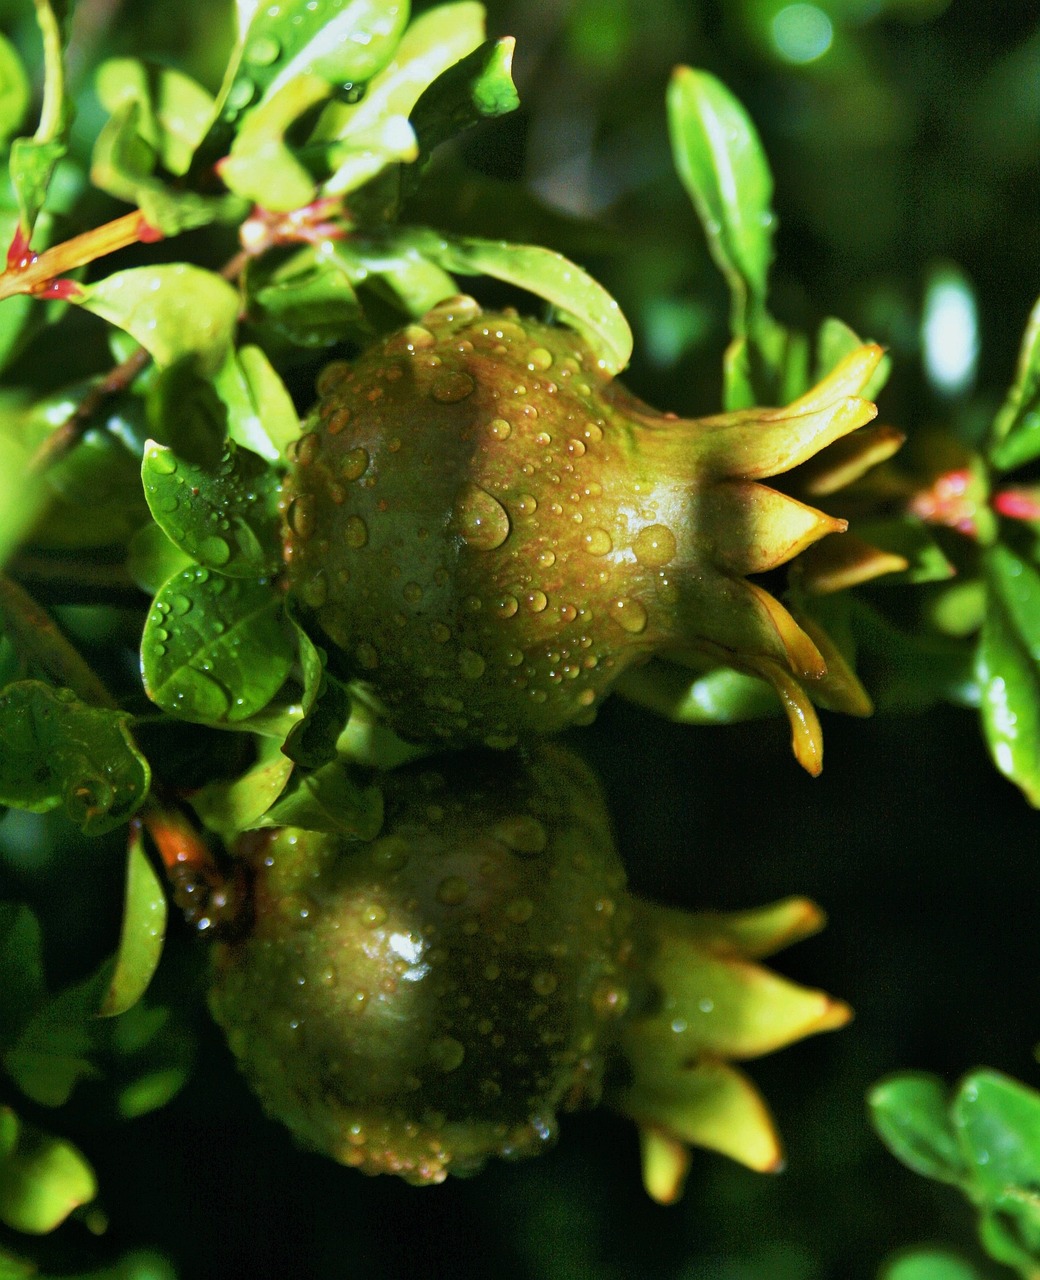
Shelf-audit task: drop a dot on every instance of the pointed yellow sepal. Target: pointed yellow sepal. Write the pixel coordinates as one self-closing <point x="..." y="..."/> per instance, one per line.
<point x="707" y="1002"/>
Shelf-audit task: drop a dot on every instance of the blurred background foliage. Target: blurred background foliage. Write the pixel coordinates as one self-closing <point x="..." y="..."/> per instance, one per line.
<point x="904" y="136"/>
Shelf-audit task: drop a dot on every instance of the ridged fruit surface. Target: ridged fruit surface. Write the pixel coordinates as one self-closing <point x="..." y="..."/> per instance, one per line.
<point x="489" y="530"/>
<point x="419" y="1003"/>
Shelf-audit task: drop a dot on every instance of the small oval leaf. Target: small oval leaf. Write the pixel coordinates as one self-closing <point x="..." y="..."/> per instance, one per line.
<point x="143" y="931"/>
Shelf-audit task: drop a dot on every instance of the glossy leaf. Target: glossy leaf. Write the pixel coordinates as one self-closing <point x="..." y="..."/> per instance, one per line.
<point x="1015" y="436"/>
<point x="42" y="1178"/>
<point x="834" y="342"/>
<point x="174" y="111"/>
<point x="584" y="303"/>
<point x="998" y="1121"/>
<point x="478" y="87"/>
<point x="260" y="413"/>
<point x="308" y="298"/>
<point x="152" y="558"/>
<point x="262" y="166"/>
<point x="329" y="800"/>
<point x="225" y="517"/>
<point x="404" y="277"/>
<point x="143" y="931"/>
<point x="174" y="310"/>
<point x="32" y="164"/>
<point x="930" y="1264"/>
<point x="214" y="649"/>
<point x="720" y="161"/>
<point x="59" y="751"/>
<point x="911" y="1113"/>
<point x="1008" y="669"/>
<point x="231" y="807"/>
<point x="14" y="90"/>
<point x="720" y="696"/>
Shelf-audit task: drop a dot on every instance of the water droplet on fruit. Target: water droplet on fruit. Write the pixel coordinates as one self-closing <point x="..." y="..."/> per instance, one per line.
<point x="412" y="592"/>
<point x="356" y="532"/>
<point x="452" y="386"/>
<point x="447" y="1053"/>
<point x="546" y="559"/>
<point x="526" y="504"/>
<point x="452" y="890"/>
<point x="471" y="664"/>
<point x="354" y="464"/>
<point x="357" y="1002"/>
<point x="536" y="601"/>
<point x="522" y="833"/>
<point x="367" y="656"/>
<point x="302" y="516"/>
<point x="542" y="439"/>
<point x="519" y="910"/>
<point x="654" y="545"/>
<point x="544" y="983"/>
<point x="597" y="542"/>
<point x="593" y="432"/>
<point x="418" y="338"/>
<point x="390" y="852"/>
<point x="480" y="519"/>
<point x="373" y="914"/>
<point x="575" y="448"/>
<point x="331" y="377"/>
<point x="499" y="429"/>
<point x="539" y="358"/>
<point x="506" y="606"/>
<point x="568" y="612"/>
<point x="609" y="999"/>
<point x="629" y="615"/>
<point x="440" y="633"/>
<point x="162" y="461"/>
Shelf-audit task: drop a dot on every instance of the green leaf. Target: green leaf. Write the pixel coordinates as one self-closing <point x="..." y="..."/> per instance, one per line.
<point x="14" y="90"/>
<point x="329" y="800"/>
<point x="21" y="963"/>
<point x="186" y="413"/>
<point x="57" y="750"/>
<point x="231" y="807"/>
<point x="998" y="1120"/>
<point x="911" y="1113"/>
<point x="914" y="541"/>
<point x="262" y="167"/>
<point x="307" y="298"/>
<point x="478" y="87"/>
<point x="930" y="1264"/>
<point x="834" y="342"/>
<point x="1008" y="669"/>
<point x="260" y="413"/>
<point x="214" y="649"/>
<point x="152" y="558"/>
<point x="348" y="43"/>
<point x="585" y="304"/>
<point x="720" y="696"/>
<point x="1015" y="435"/>
<point x="312" y="742"/>
<point x="42" y="1178"/>
<point x="402" y="277"/>
<point x="32" y="164"/>
<point x="143" y="931"/>
<point x="174" y="111"/>
<point x="721" y="163"/>
<point x="174" y="310"/>
<point x="226" y="517"/>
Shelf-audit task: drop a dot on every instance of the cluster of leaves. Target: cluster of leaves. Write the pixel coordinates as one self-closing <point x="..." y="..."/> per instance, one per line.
<point x="302" y="177"/>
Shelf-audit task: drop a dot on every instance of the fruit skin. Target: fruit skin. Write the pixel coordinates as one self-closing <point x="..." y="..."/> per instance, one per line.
<point x="421" y="1002"/>
<point x="490" y="530"/>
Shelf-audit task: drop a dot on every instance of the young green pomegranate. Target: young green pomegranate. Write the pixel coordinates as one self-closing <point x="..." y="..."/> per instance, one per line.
<point x="416" y="1004"/>
<point x="490" y="530"/>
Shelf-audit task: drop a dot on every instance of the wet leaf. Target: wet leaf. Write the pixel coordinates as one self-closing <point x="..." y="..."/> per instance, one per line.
<point x="911" y="1113"/>
<point x="478" y="87"/>
<point x="174" y="111"/>
<point x="59" y="751"/>
<point x="174" y="310"/>
<point x="225" y="517"/>
<point x="720" y="696"/>
<point x="14" y="90"/>
<point x="720" y="161"/>
<point x="348" y="43"/>
<point x="260" y="413"/>
<point x="152" y="558"/>
<point x="584" y="303"/>
<point x="32" y="164"/>
<point x="1008" y="669"/>
<point x="998" y="1121"/>
<point x="1015" y="435"/>
<point x="834" y="342"/>
<point x="930" y="1264"/>
<point x="404" y="278"/>
<point x="231" y="807"/>
<point x="330" y="800"/>
<point x="42" y="1178"/>
<point x="307" y="298"/>
<point x="262" y="166"/>
<point x="214" y="649"/>
<point x="143" y="931"/>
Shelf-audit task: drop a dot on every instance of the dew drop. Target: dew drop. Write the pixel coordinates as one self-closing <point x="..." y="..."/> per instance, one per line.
<point x="526" y="504"/>
<point x="315" y="591"/>
<point x="373" y="914"/>
<point x="499" y="429"/>
<point x="263" y="50"/>
<point x="544" y="983"/>
<point x="471" y="664"/>
<point x="575" y="448"/>
<point x="412" y="592"/>
<point x="452" y="890"/>
<point x="629" y="615"/>
<point x="162" y="461"/>
<point x="302" y="516"/>
<point x="356" y="532"/>
<point x="214" y="551"/>
<point x="440" y="633"/>
<point x="522" y="833"/>
<point x="546" y="559"/>
<point x="568" y="612"/>
<point x="519" y="910"/>
<point x="539" y="358"/>
<point x="597" y="542"/>
<point x="331" y="377"/>
<point x="479" y="519"/>
<point x="367" y="656"/>
<point x="417" y="338"/>
<point x="536" y="601"/>
<point x="609" y="1000"/>
<point x="447" y="1053"/>
<point x="654" y="545"/>
<point x="180" y="605"/>
<point x="593" y="432"/>
<point x="452" y="386"/>
<point x="354" y="464"/>
<point x="506" y="606"/>
<point x="357" y="1002"/>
